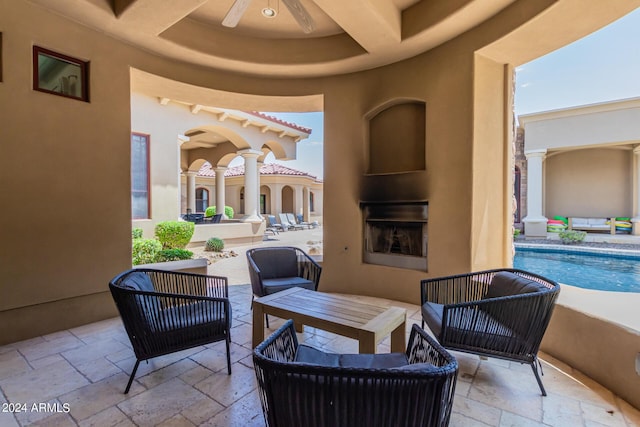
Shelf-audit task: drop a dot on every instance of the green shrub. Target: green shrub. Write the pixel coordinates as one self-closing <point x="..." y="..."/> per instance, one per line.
<point x="136" y="233"/>
<point x="214" y="244"/>
<point x="228" y="211"/>
<point x="211" y="211"/>
<point x="516" y="232"/>
<point x="174" y="234"/>
<point x="572" y="236"/>
<point x="144" y="251"/>
<point x="173" y="255"/>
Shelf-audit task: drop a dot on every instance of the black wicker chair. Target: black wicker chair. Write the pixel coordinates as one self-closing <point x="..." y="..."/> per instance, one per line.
<point x="500" y="313"/>
<point x="274" y="269"/>
<point x="164" y="312"/>
<point x="415" y="388"/>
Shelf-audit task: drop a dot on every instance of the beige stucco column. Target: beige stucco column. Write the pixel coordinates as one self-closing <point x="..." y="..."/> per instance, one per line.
<point x="297" y="199"/>
<point x="306" y="204"/>
<point x="535" y="223"/>
<point x="220" y="190"/>
<point x="276" y="199"/>
<point x="191" y="190"/>
<point x="251" y="185"/>
<point x="636" y="191"/>
<point x="258" y="166"/>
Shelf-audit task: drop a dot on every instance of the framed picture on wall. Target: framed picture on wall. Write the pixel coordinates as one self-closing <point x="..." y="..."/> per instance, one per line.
<point x="60" y="74"/>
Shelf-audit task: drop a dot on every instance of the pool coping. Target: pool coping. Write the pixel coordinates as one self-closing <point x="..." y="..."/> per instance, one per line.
<point x="582" y="250"/>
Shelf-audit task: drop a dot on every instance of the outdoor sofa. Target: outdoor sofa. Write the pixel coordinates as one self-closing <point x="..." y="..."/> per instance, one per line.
<point x="303" y="386"/>
<point x="593" y="224"/>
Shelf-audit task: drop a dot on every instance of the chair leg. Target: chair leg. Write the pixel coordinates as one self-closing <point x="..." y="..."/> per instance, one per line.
<point x="133" y="374"/>
<point x="535" y="372"/>
<point x="228" y="341"/>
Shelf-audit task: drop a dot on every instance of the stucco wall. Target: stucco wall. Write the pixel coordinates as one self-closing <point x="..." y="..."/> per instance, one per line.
<point x="65" y="165"/>
<point x="82" y="151"/>
<point x="596" y="124"/>
<point x="594" y="182"/>
<point x="65" y="178"/>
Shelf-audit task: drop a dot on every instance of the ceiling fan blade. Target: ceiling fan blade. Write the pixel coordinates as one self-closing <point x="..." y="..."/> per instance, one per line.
<point x="301" y="15"/>
<point x="234" y="14"/>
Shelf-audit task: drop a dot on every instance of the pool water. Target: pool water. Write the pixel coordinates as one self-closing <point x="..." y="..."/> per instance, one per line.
<point x="590" y="271"/>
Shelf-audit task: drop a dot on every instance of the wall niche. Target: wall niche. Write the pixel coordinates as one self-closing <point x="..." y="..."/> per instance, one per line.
<point x="397" y="139"/>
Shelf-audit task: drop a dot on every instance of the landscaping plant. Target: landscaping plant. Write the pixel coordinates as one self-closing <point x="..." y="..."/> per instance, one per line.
<point x="214" y="244"/>
<point x="174" y="234"/>
<point x="211" y="211"/>
<point x="173" y="255"/>
<point x="136" y="233"/>
<point x="572" y="236"/>
<point x="144" y="251"/>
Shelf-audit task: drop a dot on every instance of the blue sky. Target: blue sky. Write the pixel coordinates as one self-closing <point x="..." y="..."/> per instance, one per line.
<point x="603" y="66"/>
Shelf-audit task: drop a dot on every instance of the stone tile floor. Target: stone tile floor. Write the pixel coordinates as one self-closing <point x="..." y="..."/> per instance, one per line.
<point x="77" y="377"/>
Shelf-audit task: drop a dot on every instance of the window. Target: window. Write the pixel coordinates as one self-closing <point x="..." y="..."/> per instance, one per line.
<point x="202" y="199"/>
<point x="263" y="204"/>
<point x="140" y="197"/>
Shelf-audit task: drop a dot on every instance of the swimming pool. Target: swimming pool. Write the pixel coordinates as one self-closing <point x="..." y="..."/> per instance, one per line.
<point x="602" y="271"/>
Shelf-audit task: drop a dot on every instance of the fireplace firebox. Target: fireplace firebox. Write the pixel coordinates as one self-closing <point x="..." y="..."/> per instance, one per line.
<point x="395" y="234"/>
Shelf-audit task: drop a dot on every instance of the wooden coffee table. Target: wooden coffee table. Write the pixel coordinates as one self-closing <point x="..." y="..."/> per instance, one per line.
<point x="342" y="315"/>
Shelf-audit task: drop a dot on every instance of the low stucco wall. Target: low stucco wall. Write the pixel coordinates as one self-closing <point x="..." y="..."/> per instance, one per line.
<point x="233" y="233"/>
<point x="598" y="333"/>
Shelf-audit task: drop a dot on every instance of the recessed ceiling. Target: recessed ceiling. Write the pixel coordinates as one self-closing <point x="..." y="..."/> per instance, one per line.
<point x="348" y="36"/>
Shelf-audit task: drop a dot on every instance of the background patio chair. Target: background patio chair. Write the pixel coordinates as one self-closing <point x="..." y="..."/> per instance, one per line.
<point x="284" y="220"/>
<point x="274" y="269"/>
<point x="164" y="312"/>
<point x="501" y="313"/>
<point x="301" y="221"/>
<point x="303" y="386"/>
<point x="272" y="222"/>
<point x="297" y="225"/>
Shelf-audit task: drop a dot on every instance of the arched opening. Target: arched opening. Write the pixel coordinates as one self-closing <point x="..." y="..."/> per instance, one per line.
<point x="287" y="199"/>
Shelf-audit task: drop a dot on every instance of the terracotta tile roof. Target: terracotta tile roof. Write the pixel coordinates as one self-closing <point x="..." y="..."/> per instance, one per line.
<point x="280" y="121"/>
<point x="266" y="169"/>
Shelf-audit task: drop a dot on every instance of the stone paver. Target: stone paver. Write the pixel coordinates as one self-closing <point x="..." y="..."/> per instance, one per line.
<point x="81" y="375"/>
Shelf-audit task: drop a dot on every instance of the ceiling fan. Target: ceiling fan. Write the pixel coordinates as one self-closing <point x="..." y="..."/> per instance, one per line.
<point x="296" y="8"/>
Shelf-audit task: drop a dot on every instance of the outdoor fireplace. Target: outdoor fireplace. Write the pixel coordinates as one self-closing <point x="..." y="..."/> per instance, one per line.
<point x="395" y="234"/>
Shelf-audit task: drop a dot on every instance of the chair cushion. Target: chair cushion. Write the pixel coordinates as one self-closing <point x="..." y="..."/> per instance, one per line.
<point x="192" y="315"/>
<point x="373" y="361"/>
<point x="271" y="286"/>
<point x="417" y="367"/>
<point x="506" y="283"/>
<point x="276" y="262"/>
<point x="138" y="281"/>
<point x="313" y="356"/>
<point x="432" y="315"/>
